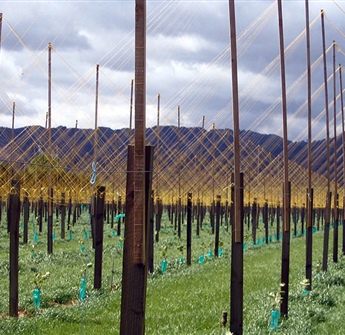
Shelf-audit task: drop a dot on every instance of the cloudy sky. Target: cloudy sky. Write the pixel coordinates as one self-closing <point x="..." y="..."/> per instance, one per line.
<point x="188" y="62"/>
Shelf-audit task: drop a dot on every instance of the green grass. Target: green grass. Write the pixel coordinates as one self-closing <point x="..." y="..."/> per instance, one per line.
<point x="184" y="300"/>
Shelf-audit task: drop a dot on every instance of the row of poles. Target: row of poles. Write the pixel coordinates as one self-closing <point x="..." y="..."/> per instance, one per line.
<point x="139" y="186"/>
<point x="136" y="323"/>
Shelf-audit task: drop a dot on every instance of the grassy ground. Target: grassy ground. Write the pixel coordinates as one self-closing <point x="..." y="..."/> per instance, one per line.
<point x="184" y="300"/>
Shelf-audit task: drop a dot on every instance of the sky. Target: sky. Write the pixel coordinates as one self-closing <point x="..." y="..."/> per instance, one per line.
<point x="188" y="63"/>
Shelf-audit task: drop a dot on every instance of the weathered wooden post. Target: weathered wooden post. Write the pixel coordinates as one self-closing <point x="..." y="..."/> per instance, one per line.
<point x="265" y="220"/>
<point x="26" y="210"/>
<point x="151" y="233"/>
<point x="216" y="242"/>
<point x="50" y="221"/>
<point x="285" y="265"/>
<point x="14" y="215"/>
<point x="335" y="167"/>
<point x="343" y="145"/>
<point x="189" y="229"/>
<point x="159" y="213"/>
<point x="69" y="212"/>
<point x="278" y="221"/>
<point x="328" y="194"/>
<point x="236" y="285"/>
<point x="119" y="208"/>
<point x="98" y="245"/>
<point x="50" y="187"/>
<point x="254" y="220"/>
<point x="63" y="215"/>
<point x="40" y="212"/>
<point x="138" y="189"/>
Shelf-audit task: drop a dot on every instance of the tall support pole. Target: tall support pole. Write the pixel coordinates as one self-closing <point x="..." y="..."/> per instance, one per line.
<point x="49" y="124"/>
<point x="95" y="143"/>
<point x="343" y="147"/>
<point x="26" y="215"/>
<point x="286" y="186"/>
<point x="95" y="158"/>
<point x="158" y="145"/>
<point x="179" y="204"/>
<point x="309" y="230"/>
<point x="236" y="289"/>
<point x="14" y="214"/>
<point x="328" y="195"/>
<point x="140" y="129"/>
<point x="133" y="300"/>
<point x="99" y="209"/>
<point x="131" y="113"/>
<point x="335" y="168"/>
<point x="12" y="138"/>
<point x="158" y="169"/>
<point x="213" y="158"/>
<point x="189" y="229"/>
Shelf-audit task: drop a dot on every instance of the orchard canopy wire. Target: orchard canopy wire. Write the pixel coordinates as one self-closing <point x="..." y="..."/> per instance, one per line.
<point x="196" y="156"/>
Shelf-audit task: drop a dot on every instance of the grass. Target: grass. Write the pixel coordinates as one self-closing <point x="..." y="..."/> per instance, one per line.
<point x="184" y="300"/>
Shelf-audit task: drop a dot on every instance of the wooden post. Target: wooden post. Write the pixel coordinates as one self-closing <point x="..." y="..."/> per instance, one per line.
<point x="216" y="244"/>
<point x="26" y="209"/>
<point x="265" y="220"/>
<point x="236" y="288"/>
<point x="69" y="212"/>
<point x="335" y="163"/>
<point x="309" y="238"/>
<point x="119" y="210"/>
<point x="99" y="221"/>
<point x="14" y="215"/>
<point x="12" y="139"/>
<point x="40" y="212"/>
<point x="50" y="188"/>
<point x="189" y="229"/>
<point x="285" y="265"/>
<point x="50" y="221"/>
<point x="134" y="275"/>
<point x="63" y="215"/>
<point x="343" y="146"/>
<point x="328" y="177"/>
<point x="286" y="186"/>
<point x="198" y="217"/>
<point x="151" y="233"/>
<point x="140" y="133"/>
<point x="254" y="220"/>
<point x="159" y="214"/>
<point x="113" y="211"/>
<point x="131" y="113"/>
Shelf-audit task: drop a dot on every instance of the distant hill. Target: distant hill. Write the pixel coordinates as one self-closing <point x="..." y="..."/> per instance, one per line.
<point x="75" y="147"/>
